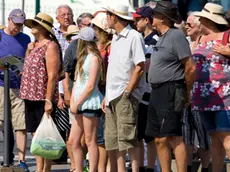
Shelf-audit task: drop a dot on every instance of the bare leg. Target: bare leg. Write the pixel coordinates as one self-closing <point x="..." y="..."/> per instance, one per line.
<point x="90" y="130"/>
<point x="180" y="152"/>
<point x="47" y="165"/>
<point x="133" y="153"/>
<point x="21" y="139"/>
<point x="141" y="154"/>
<point x="164" y="153"/>
<point x="70" y="154"/>
<point x="39" y="162"/>
<point x="112" y="161"/>
<point x="102" y="159"/>
<point x="190" y="149"/>
<point x="225" y="137"/>
<point x="121" y="161"/>
<point x="75" y="141"/>
<point x="218" y="152"/>
<point x="205" y="155"/>
<point x="151" y="154"/>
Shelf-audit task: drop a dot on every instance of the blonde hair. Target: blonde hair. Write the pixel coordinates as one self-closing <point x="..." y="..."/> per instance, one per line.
<point x="82" y="51"/>
<point x="104" y="37"/>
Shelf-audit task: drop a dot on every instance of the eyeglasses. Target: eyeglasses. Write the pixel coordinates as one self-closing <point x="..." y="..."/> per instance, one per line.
<point x="67" y="14"/>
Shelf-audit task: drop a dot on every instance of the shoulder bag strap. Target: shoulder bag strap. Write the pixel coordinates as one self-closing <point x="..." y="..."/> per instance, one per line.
<point x="225" y="39"/>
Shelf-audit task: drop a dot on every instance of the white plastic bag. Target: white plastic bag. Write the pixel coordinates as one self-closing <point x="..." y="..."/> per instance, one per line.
<point x="47" y="141"/>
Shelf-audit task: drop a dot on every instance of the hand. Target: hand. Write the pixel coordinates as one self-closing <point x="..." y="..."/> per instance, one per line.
<point x="31" y="46"/>
<point x="188" y="101"/>
<point x="67" y="97"/>
<point x="221" y="49"/>
<point x="60" y="104"/>
<point x="103" y="106"/>
<point x="48" y="108"/>
<point x="74" y="108"/>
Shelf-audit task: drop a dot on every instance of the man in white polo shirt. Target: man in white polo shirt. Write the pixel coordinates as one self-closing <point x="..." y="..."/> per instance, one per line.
<point x="125" y="85"/>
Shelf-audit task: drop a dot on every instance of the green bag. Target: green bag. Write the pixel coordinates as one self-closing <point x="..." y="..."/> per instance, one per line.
<point x="47" y="141"/>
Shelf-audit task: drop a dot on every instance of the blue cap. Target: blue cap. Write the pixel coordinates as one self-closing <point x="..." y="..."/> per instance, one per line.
<point x="143" y="12"/>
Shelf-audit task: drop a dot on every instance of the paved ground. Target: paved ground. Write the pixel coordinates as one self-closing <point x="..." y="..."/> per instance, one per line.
<point x="30" y="159"/>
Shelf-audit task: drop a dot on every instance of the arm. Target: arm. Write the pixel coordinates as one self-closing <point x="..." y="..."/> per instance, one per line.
<point x="93" y="73"/>
<point x="190" y="69"/>
<point x="66" y="86"/>
<point x="52" y="65"/>
<point x="136" y="76"/>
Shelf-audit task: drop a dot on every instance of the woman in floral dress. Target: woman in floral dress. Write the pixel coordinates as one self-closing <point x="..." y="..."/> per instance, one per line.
<point x="211" y="90"/>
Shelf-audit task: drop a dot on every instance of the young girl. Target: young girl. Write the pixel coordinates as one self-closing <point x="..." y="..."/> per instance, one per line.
<point x="86" y="99"/>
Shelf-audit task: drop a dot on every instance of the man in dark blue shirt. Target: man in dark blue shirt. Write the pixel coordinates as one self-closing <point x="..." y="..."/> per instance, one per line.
<point x="143" y="22"/>
<point x="14" y="42"/>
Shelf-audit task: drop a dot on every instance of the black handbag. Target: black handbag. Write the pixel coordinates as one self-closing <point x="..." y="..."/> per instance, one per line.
<point x="61" y="119"/>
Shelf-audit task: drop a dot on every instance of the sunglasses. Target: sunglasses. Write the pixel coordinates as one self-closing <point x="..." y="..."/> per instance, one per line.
<point x="189" y="25"/>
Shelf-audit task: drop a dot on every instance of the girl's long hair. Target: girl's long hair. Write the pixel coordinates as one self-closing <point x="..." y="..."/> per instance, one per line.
<point x="82" y="52"/>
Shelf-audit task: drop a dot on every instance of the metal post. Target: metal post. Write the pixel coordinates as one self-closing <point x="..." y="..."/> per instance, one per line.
<point x="3" y="12"/>
<point x="37" y="7"/>
<point x="7" y="114"/>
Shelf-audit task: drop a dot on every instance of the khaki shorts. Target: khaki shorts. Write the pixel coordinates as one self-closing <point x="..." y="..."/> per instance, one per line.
<point x="121" y="123"/>
<point x="17" y="109"/>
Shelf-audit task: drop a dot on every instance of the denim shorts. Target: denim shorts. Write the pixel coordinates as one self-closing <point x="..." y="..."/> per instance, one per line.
<point x="216" y="121"/>
<point x="91" y="113"/>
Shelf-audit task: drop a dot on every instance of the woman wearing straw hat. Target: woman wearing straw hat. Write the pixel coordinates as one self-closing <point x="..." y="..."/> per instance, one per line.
<point x="39" y="86"/>
<point x="104" y="36"/>
<point x="210" y="94"/>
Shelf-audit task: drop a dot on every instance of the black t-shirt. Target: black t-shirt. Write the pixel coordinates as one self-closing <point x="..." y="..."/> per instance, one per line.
<point x="70" y="59"/>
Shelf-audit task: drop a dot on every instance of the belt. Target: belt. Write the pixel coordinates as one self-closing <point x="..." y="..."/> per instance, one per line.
<point x="179" y="82"/>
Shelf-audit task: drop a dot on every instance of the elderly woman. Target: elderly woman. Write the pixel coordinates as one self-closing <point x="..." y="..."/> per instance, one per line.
<point x="210" y="94"/>
<point x="39" y="86"/>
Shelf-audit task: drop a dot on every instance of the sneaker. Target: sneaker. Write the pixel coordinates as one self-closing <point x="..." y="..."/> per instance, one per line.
<point x="24" y="166"/>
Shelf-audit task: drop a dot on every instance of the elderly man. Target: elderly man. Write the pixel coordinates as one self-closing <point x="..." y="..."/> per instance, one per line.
<point x="65" y="19"/>
<point x="192" y="122"/>
<point x="171" y="74"/>
<point x="84" y="20"/>
<point x="11" y="36"/>
<point x="125" y="85"/>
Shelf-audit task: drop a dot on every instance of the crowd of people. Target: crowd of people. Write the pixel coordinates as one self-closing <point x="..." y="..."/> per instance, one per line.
<point x="117" y="82"/>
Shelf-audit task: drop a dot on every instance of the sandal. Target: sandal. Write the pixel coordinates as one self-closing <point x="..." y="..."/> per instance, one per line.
<point x="72" y="170"/>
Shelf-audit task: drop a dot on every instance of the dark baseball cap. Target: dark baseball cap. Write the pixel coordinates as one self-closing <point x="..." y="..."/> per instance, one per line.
<point x="17" y="16"/>
<point x="144" y="11"/>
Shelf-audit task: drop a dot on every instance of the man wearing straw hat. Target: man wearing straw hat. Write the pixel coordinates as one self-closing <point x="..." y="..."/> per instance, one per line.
<point x="171" y="74"/>
<point x="125" y="85"/>
<point x="11" y="36"/>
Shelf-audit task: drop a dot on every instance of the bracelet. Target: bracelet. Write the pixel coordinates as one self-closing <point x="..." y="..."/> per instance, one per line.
<point x="47" y="100"/>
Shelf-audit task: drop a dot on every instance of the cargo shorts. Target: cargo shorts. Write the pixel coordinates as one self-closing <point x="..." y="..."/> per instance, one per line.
<point x="17" y="110"/>
<point x="121" y="123"/>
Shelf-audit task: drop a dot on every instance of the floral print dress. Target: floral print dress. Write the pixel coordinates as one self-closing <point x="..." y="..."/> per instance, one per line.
<point x="211" y="89"/>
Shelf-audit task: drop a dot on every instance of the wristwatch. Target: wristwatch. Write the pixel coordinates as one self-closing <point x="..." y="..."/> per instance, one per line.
<point x="127" y="93"/>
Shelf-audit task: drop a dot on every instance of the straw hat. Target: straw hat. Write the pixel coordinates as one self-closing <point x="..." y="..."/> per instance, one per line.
<point x="119" y="9"/>
<point x="100" y="21"/>
<point x="213" y="12"/>
<point x="71" y="31"/>
<point x="44" y="20"/>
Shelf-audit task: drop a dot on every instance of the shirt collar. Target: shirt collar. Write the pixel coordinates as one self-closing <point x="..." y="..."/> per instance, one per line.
<point x="124" y="32"/>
